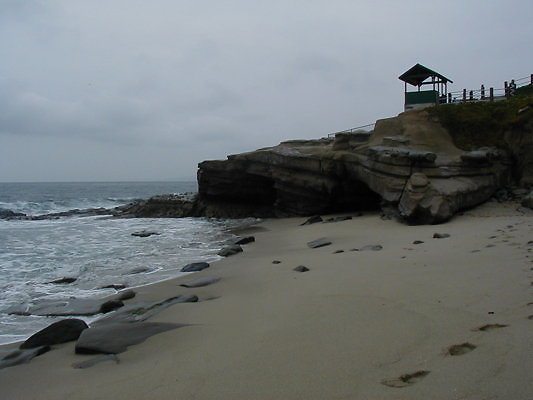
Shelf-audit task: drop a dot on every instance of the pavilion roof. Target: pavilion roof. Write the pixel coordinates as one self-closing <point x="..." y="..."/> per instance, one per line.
<point x="419" y="73"/>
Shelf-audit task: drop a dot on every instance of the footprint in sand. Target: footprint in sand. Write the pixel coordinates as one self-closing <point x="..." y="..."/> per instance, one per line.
<point x="460" y="349"/>
<point x="405" y="379"/>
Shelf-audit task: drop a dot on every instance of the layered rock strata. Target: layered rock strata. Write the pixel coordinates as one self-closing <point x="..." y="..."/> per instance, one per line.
<point x="408" y="163"/>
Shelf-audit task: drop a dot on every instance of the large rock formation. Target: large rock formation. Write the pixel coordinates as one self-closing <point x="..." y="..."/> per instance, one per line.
<point x="409" y="163"/>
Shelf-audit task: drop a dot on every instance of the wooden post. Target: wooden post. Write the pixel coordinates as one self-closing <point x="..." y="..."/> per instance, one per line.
<point x="464" y="94"/>
<point x="482" y="92"/>
<point x="449" y="97"/>
<point x="491" y="94"/>
<point x="471" y="95"/>
<point x="531" y="83"/>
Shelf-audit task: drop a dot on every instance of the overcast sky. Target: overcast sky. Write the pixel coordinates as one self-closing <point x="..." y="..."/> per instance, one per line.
<point x="107" y="90"/>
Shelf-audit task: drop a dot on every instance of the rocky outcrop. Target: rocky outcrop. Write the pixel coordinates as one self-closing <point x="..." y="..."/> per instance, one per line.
<point x="408" y="164"/>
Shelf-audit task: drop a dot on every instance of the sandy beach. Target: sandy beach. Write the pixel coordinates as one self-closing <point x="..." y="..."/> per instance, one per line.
<point x="396" y="321"/>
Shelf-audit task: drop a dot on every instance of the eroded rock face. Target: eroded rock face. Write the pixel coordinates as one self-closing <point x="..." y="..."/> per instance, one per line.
<point x="409" y="164"/>
<point x="408" y="161"/>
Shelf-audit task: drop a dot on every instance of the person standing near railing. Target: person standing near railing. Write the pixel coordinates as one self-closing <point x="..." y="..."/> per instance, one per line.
<point x="512" y="88"/>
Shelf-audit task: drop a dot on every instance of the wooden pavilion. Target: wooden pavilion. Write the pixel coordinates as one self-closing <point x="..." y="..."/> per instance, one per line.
<point x="418" y="76"/>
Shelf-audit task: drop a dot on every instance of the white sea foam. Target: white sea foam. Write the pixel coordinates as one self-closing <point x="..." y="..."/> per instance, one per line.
<point x="97" y="251"/>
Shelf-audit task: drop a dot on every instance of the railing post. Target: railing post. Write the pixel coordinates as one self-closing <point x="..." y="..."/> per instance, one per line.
<point x="491" y="94"/>
<point x="464" y="94"/>
<point x="449" y="97"/>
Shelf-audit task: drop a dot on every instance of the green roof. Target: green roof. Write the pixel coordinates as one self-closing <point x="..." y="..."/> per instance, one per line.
<point x="418" y="74"/>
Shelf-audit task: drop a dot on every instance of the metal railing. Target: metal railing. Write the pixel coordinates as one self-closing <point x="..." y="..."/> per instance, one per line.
<point x="462" y="96"/>
<point x="490" y="94"/>
<point x="363" y="128"/>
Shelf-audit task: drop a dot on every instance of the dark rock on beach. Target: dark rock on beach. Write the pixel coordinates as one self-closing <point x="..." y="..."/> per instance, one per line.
<point x="141" y="311"/>
<point x="301" y="268"/>
<point x="371" y="247"/>
<point x="59" y="332"/>
<point x="244" y="240"/>
<point x="230" y="250"/>
<point x="126" y="294"/>
<point x="195" y="267"/>
<point x="71" y="307"/>
<point x="313" y="220"/>
<point x="139" y="270"/>
<point x="318" y="243"/>
<point x="339" y="219"/>
<point x="111" y="305"/>
<point x="441" y="235"/>
<point x="116" y="287"/>
<point x="115" y="338"/>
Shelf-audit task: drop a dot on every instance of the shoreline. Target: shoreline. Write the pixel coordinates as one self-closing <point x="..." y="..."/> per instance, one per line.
<point x="358" y="324"/>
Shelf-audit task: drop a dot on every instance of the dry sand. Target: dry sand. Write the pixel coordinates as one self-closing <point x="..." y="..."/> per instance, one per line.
<point x="358" y="325"/>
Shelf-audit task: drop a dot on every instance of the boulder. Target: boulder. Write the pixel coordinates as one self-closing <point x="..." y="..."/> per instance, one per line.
<point x="111" y="305"/>
<point x="244" y="240"/>
<point x="126" y="294"/>
<point x="314" y="244"/>
<point x="62" y="331"/>
<point x="116" y="338"/>
<point x="230" y="250"/>
<point x="141" y="311"/>
<point x="195" y="267"/>
<point x="313" y="220"/>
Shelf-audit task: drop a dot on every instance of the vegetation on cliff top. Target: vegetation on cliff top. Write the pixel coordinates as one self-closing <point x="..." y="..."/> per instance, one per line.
<point x="479" y="124"/>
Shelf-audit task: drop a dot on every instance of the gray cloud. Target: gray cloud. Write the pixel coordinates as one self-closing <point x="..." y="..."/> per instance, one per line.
<point x="172" y="83"/>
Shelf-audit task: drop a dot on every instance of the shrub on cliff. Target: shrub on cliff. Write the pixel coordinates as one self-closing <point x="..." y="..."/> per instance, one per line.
<point x="478" y="124"/>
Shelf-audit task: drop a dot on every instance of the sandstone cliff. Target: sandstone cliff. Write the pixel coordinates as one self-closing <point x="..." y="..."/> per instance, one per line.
<point x="410" y="163"/>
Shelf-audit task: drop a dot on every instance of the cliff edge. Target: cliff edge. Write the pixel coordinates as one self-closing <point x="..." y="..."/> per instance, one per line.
<point x="419" y="164"/>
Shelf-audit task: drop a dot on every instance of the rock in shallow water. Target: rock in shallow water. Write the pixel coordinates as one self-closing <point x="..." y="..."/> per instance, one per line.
<point x="195" y="267"/>
<point x="230" y="250"/>
<point x="65" y="280"/>
<point x="144" y="233"/>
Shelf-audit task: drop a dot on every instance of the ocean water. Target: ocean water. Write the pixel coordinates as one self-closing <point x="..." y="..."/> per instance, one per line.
<point x="97" y="251"/>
